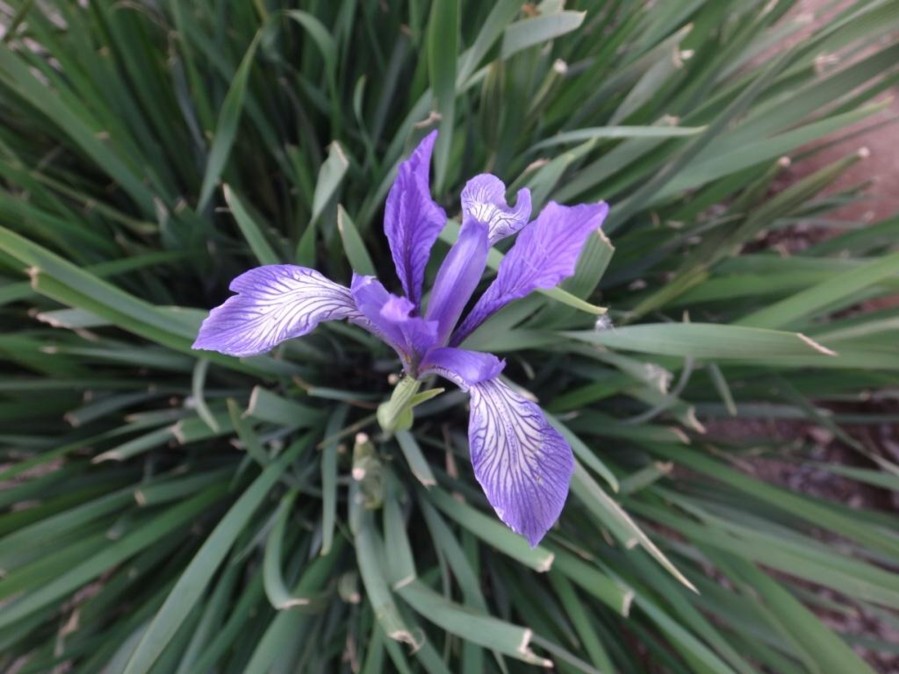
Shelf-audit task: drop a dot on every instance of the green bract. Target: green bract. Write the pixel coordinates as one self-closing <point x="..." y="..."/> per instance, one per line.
<point x="165" y="510"/>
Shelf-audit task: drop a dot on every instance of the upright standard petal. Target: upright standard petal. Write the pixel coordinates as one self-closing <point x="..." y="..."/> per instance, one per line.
<point x="392" y="319"/>
<point x="484" y="200"/>
<point x="523" y="464"/>
<point x="274" y="303"/>
<point x="462" y="367"/>
<point x="457" y="278"/>
<point x="544" y="255"/>
<point x="412" y="221"/>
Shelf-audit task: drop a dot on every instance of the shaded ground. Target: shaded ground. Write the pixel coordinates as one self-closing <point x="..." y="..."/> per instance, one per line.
<point x="879" y="168"/>
<point x="881" y="144"/>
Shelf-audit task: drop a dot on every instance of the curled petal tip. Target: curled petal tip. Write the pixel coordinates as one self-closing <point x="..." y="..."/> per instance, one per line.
<point x="484" y="200"/>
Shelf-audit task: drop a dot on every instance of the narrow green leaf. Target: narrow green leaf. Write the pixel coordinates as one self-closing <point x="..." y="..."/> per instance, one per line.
<point x="329" y="476"/>
<point x="399" y="558"/>
<point x="705" y="341"/>
<point x="821" y="644"/>
<point x="584" y="454"/>
<point x="701" y="657"/>
<point x="612" y="515"/>
<point x="531" y="32"/>
<point x="319" y="34"/>
<point x="418" y="464"/>
<point x="52" y="527"/>
<point x="290" y="627"/>
<point x="722" y="387"/>
<point x="577" y="613"/>
<point x="491" y="530"/>
<point x="109" y="556"/>
<point x="178" y="488"/>
<point x="486" y="630"/>
<point x="501" y="14"/>
<point x="369" y="556"/>
<point x="825" y="294"/>
<point x="330" y="176"/>
<point x="74" y="123"/>
<point x="353" y="245"/>
<point x="139" y="445"/>
<point x="799" y="505"/>
<point x="645" y="477"/>
<point x="249" y="439"/>
<point x="604" y="132"/>
<point x="198" y="384"/>
<point x="251" y="231"/>
<point x="199" y="573"/>
<point x="443" y="41"/>
<point x="226" y="127"/>
<point x="267" y="406"/>
<point x="272" y="577"/>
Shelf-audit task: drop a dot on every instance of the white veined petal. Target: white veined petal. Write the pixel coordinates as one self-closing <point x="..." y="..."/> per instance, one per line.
<point x="274" y="303"/>
<point x="484" y="199"/>
<point x="523" y="464"/>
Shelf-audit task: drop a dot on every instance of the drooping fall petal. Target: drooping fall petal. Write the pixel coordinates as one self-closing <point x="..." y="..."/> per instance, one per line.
<point x="522" y="463"/>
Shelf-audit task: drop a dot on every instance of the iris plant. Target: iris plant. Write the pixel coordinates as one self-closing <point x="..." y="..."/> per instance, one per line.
<point x="523" y="464"/>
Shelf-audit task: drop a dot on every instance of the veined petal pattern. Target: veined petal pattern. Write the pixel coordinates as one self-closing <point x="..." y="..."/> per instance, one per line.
<point x="523" y="464"/>
<point x="412" y="220"/>
<point x="484" y="200"/>
<point x="545" y="253"/>
<point x="274" y="303"/>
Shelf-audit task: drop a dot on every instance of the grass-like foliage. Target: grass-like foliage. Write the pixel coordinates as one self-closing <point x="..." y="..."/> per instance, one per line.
<point x="168" y="510"/>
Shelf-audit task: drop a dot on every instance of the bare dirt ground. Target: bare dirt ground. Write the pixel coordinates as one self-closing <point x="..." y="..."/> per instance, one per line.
<point x="879" y="168"/>
<point x="881" y="143"/>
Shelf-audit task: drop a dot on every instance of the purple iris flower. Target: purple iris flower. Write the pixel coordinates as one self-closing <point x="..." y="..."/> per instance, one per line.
<point x="523" y="464"/>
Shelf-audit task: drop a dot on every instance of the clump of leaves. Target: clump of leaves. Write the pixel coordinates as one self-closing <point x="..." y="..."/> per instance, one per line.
<point x="168" y="510"/>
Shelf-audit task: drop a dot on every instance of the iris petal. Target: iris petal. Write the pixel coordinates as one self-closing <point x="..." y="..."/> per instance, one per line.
<point x="523" y="464"/>
<point x="274" y="303"/>
<point x="457" y="278"/>
<point x="545" y="253"/>
<point x="412" y="221"/>
<point x="484" y="200"/>
<point x="462" y="367"/>
<point x="392" y="319"/>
